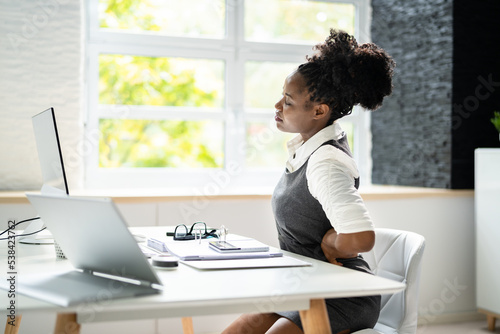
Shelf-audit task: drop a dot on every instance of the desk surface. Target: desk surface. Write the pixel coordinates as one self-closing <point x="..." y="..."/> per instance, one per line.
<point x="191" y="292"/>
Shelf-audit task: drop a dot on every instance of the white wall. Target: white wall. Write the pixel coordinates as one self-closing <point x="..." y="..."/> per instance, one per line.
<point x="40" y="67"/>
<point x="447" y="291"/>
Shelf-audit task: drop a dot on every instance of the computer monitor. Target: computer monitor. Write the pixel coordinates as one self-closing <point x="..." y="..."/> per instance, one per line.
<point x="49" y="152"/>
<point x="52" y="166"/>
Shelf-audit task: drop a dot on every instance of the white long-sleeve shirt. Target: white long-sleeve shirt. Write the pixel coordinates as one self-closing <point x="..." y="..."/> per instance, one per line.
<point x="330" y="178"/>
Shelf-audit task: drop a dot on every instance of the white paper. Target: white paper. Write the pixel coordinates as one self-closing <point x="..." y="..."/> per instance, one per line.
<point x="283" y="261"/>
<point x="193" y="250"/>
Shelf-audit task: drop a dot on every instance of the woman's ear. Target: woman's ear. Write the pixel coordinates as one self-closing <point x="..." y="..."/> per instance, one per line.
<point x="321" y="111"/>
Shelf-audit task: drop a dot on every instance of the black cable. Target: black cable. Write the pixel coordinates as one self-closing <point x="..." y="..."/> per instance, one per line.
<point x="24" y="234"/>
<point x="22" y="221"/>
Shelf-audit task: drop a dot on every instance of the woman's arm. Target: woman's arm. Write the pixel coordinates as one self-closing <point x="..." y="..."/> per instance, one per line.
<point x="346" y="245"/>
<point x="330" y="180"/>
<point x="330" y="176"/>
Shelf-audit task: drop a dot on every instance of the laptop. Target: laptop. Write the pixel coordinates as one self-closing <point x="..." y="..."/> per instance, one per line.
<point x="96" y="240"/>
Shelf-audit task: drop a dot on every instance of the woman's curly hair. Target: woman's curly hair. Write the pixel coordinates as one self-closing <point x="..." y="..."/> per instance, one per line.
<point x="343" y="74"/>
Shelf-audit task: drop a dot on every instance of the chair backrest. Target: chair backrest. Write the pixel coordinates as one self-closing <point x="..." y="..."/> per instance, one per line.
<point x="397" y="255"/>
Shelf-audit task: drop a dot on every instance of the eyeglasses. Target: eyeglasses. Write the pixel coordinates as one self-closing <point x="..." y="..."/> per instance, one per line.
<point x="197" y="230"/>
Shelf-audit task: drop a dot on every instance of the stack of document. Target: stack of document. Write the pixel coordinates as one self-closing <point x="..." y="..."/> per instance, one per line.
<point x="194" y="250"/>
<point x="250" y="253"/>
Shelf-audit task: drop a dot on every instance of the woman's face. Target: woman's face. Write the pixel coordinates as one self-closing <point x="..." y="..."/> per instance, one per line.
<point x="295" y="112"/>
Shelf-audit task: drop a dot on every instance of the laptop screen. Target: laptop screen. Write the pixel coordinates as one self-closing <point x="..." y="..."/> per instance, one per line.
<point x="49" y="152"/>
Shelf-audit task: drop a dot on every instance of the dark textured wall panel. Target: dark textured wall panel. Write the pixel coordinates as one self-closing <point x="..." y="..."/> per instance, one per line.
<point x="411" y="132"/>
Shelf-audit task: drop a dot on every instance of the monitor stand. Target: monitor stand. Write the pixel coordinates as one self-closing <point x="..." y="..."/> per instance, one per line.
<point x="41" y="238"/>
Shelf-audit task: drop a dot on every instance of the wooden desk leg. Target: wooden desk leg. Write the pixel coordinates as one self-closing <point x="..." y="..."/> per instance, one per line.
<point x="9" y="329"/>
<point x="315" y="320"/>
<point x="490" y="318"/>
<point x="187" y="325"/>
<point x="66" y="324"/>
<point x="491" y="322"/>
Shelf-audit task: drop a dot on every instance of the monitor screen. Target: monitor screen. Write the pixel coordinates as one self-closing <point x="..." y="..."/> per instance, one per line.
<point x="49" y="153"/>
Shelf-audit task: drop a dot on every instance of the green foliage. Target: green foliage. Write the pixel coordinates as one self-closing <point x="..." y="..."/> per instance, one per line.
<point x="150" y="143"/>
<point x="134" y="80"/>
<point x="264" y="82"/>
<point x="295" y="20"/>
<point x="129" y="80"/>
<point x="496" y="120"/>
<point x="121" y="14"/>
<point x="170" y="17"/>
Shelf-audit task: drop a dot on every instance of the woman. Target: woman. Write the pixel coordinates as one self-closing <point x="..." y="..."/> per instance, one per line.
<point x="318" y="210"/>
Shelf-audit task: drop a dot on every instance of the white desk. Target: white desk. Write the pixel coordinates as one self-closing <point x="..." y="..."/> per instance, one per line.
<point x="190" y="292"/>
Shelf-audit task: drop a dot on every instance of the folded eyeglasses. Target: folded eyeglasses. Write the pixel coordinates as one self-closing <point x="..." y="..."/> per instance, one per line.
<point x="197" y="231"/>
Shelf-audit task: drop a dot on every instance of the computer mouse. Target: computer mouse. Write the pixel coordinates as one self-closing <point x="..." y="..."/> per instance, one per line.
<point x="165" y="261"/>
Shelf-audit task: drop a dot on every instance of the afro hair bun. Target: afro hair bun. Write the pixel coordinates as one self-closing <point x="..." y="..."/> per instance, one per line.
<point x="371" y="69"/>
<point x="343" y="74"/>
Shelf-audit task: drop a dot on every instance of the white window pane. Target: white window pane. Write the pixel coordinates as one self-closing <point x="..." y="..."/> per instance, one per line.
<point x="295" y="20"/>
<point x="266" y="145"/>
<point x="176" y="109"/>
<point x="264" y="82"/>
<point x="135" y="80"/>
<point x="348" y="127"/>
<point x="167" y="144"/>
<point x="186" y="18"/>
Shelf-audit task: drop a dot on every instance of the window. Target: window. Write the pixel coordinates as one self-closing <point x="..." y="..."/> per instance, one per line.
<point x="182" y="93"/>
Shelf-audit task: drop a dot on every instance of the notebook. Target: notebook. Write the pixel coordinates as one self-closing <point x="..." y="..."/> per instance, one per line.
<point x="96" y="240"/>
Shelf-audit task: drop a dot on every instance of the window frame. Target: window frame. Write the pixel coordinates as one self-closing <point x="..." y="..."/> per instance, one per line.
<point x="234" y="51"/>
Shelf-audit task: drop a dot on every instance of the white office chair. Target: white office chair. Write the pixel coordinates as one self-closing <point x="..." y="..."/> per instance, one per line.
<point x="397" y="255"/>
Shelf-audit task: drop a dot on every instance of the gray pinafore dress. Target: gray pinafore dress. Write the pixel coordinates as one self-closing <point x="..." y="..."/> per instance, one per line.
<point x="301" y="224"/>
